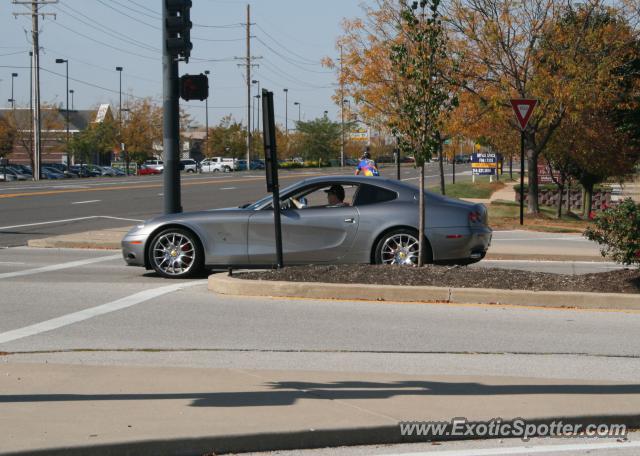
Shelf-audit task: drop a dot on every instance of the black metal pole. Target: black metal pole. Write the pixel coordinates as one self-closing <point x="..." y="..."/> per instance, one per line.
<point x="171" y="125"/>
<point x="271" y="161"/>
<point x="68" y="153"/>
<point x="522" y="177"/>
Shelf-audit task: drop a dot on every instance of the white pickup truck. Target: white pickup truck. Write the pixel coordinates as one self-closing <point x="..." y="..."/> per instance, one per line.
<point x="218" y="164"/>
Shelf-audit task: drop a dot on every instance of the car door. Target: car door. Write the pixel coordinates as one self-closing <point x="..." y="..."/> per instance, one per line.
<point x="315" y="235"/>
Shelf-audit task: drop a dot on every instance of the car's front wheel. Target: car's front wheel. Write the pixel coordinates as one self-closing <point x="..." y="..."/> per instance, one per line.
<point x="176" y="253"/>
<point x="400" y="247"/>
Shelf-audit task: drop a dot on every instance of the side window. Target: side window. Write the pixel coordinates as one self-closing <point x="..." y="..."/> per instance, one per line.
<point x="370" y="194"/>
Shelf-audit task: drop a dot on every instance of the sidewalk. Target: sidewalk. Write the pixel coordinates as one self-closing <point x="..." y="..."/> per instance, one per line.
<point x="196" y="411"/>
<point x="505" y="194"/>
<point x="98" y="239"/>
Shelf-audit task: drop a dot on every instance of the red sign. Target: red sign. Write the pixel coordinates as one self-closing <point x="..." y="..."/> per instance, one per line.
<point x="523" y="109"/>
<point x="546" y="175"/>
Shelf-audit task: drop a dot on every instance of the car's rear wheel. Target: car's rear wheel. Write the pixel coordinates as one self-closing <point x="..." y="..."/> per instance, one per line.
<point x="176" y="253"/>
<point x="400" y="247"/>
<point x="227" y="169"/>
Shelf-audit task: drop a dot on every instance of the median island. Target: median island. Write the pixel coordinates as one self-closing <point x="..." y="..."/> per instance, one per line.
<point x="618" y="281"/>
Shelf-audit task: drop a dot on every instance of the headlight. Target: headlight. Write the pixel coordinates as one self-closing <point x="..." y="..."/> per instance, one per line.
<point x="139" y="227"/>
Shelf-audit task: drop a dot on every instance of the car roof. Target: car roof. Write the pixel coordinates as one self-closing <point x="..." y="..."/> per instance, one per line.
<point x="378" y="181"/>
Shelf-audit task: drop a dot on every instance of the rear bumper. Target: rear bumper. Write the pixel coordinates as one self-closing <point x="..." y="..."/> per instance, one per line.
<point x="467" y="245"/>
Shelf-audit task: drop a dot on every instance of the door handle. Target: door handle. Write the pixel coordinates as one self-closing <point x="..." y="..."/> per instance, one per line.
<point x="350" y="220"/>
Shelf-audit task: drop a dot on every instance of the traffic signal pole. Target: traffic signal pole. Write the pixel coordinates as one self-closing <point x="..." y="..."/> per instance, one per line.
<point x="171" y="124"/>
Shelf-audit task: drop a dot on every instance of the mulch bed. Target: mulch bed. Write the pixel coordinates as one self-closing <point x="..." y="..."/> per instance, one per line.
<point x="618" y="281"/>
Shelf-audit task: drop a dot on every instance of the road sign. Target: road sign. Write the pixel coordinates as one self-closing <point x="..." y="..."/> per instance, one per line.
<point x="486" y="164"/>
<point x="523" y="108"/>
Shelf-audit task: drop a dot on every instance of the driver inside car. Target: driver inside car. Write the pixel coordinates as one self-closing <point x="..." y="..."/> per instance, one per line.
<point x="335" y="196"/>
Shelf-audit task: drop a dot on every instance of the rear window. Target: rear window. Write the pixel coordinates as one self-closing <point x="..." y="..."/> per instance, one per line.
<point x="370" y="194"/>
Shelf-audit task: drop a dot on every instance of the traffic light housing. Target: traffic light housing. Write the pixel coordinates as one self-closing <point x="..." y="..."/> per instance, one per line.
<point x="178" y="28"/>
<point x="194" y="87"/>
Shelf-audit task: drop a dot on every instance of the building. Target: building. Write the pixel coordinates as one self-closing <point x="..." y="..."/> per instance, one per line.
<point x="53" y="131"/>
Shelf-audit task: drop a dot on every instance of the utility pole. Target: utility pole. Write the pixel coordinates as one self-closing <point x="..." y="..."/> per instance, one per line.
<point x="341" y="111"/>
<point x="206" y="122"/>
<point x="35" y="4"/>
<point x="248" y="65"/>
<point x="286" y="112"/>
<point x="248" y="84"/>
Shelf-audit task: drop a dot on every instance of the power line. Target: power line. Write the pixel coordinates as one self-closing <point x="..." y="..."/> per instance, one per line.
<point x="311" y="62"/>
<point x="109" y="31"/>
<point x="157" y="59"/>
<point x="126" y="15"/>
<point x="289" y="61"/>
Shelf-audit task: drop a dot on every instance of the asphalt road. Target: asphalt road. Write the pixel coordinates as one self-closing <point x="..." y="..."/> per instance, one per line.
<point x="50" y="313"/>
<point x="38" y="209"/>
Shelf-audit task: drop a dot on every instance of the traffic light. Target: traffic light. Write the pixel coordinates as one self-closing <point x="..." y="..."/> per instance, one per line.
<point x="194" y="87"/>
<point x="178" y="28"/>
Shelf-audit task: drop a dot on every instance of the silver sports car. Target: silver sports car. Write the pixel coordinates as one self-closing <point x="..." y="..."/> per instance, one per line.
<point x="332" y="219"/>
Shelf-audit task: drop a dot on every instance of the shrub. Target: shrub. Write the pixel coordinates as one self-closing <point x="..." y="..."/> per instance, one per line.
<point x="617" y="230"/>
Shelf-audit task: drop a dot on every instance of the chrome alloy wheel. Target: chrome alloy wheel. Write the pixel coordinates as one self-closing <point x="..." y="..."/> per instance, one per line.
<point x="400" y="249"/>
<point x="174" y="253"/>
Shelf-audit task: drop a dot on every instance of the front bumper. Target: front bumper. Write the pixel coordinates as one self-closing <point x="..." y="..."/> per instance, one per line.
<point x="133" y="249"/>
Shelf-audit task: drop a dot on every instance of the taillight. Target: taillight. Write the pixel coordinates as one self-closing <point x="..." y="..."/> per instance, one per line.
<point x="475" y="217"/>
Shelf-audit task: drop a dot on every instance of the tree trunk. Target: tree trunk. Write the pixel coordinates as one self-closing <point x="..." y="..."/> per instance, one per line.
<point x="440" y="159"/>
<point x="421" y="221"/>
<point x="588" y="201"/>
<point x="532" y="174"/>
<point x="559" y="203"/>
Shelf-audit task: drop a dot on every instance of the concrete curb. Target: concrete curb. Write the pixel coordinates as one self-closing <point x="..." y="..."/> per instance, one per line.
<point x="544" y="257"/>
<point x="53" y="243"/>
<point x="296" y="440"/>
<point x="224" y="284"/>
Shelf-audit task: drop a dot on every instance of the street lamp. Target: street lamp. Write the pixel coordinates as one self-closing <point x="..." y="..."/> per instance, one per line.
<point x="257" y="125"/>
<point x="206" y="119"/>
<point x="126" y="162"/>
<point x="297" y="103"/>
<point x="66" y="62"/>
<point x="71" y="91"/>
<point x="12" y="99"/>
<point x="326" y="113"/>
<point x="286" y="111"/>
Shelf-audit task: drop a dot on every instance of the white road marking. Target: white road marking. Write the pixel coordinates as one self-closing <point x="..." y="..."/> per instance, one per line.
<point x="86" y="202"/>
<point x="10" y="262"/>
<point x="92" y="312"/>
<point x="526" y="450"/>
<point x="592" y="263"/>
<point x="69" y="220"/>
<point x="57" y="267"/>
<point x="228" y="188"/>
<point x="567" y="238"/>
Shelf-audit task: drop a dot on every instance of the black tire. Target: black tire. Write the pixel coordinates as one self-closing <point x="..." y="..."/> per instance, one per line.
<point x="227" y="169"/>
<point x="177" y="245"/>
<point x="381" y="253"/>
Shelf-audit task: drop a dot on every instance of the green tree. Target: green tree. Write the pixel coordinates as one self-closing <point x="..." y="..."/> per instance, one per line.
<point x="98" y="140"/>
<point x="319" y="139"/>
<point x="142" y="129"/>
<point x="424" y="93"/>
<point x="8" y="136"/>
<point x="227" y="139"/>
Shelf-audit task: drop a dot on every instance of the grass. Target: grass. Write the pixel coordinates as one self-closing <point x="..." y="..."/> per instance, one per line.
<point x="505" y="215"/>
<point x="479" y="190"/>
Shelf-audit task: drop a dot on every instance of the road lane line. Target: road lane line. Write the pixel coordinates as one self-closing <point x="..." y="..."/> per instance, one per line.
<point x="90" y="217"/>
<point x="86" y="202"/>
<point x="59" y="266"/>
<point x="92" y="312"/>
<point x="135" y="187"/>
<point x="525" y="449"/>
<point x="228" y="188"/>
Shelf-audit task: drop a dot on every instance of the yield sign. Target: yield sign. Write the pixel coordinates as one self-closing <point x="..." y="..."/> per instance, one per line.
<point x="523" y="108"/>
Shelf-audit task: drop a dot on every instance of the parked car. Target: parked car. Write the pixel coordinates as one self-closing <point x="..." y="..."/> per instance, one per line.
<point x="9" y="174"/>
<point x="22" y="169"/>
<point x="189" y="165"/>
<point x="146" y="170"/>
<point x="378" y="224"/>
<point x="218" y="164"/>
<point x="155" y="164"/>
<point x="255" y="164"/>
<point x="85" y="170"/>
<point x="46" y="172"/>
<point x="461" y="159"/>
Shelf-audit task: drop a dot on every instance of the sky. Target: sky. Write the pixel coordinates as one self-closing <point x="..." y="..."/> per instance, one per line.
<point x="289" y="36"/>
